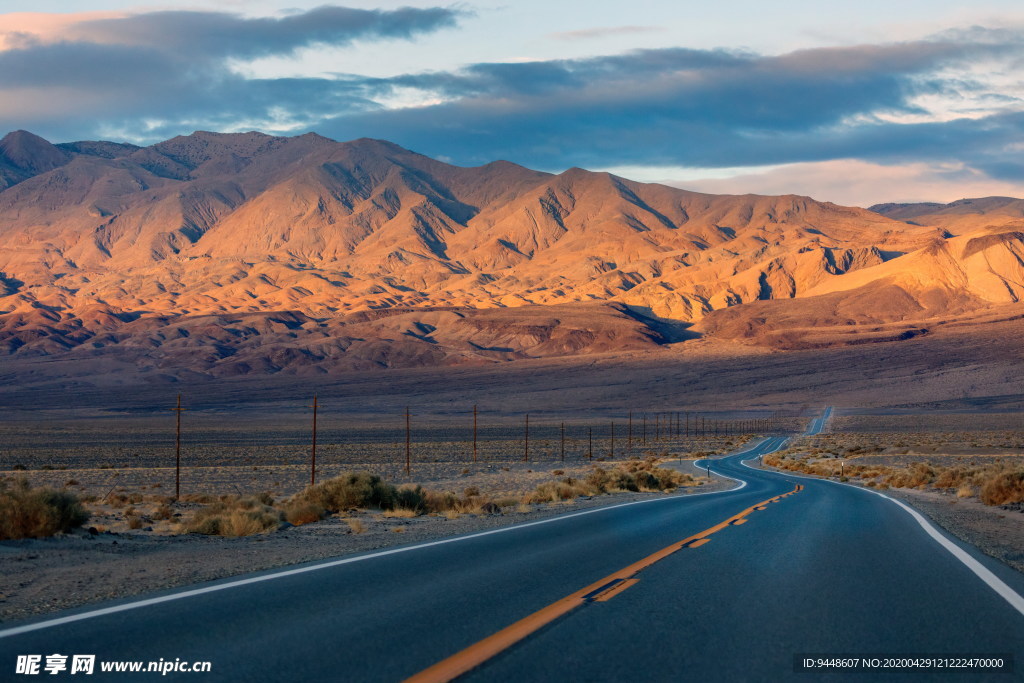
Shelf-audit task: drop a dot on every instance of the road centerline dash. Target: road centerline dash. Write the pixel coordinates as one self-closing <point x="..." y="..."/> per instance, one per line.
<point x="476" y="654"/>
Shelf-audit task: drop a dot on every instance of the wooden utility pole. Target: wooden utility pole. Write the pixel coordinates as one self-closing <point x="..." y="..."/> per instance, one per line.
<point x="563" y="442"/>
<point x="687" y="424"/>
<point x="312" y="454"/>
<point x="474" y="432"/>
<point x="629" y="437"/>
<point x="657" y="426"/>
<point x="177" y="450"/>
<point x="590" y="437"/>
<point x="613" y="440"/>
<point x="526" y="440"/>
<point x="408" y="443"/>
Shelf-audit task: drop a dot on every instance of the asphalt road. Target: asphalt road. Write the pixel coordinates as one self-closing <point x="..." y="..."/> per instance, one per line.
<point x="827" y="568"/>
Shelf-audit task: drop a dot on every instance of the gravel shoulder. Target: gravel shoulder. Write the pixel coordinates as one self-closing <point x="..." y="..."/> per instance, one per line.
<point x="996" y="531"/>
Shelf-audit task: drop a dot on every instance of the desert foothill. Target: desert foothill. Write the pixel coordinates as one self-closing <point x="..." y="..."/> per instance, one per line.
<point x="620" y="346"/>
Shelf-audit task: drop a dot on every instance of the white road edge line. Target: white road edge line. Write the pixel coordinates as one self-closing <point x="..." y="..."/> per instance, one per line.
<point x="114" y="609"/>
<point x="981" y="571"/>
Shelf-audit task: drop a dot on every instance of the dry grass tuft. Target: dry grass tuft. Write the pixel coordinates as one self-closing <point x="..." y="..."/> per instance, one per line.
<point x="27" y="512"/>
<point x="350" y="490"/>
<point x="995" y="483"/>
<point x="401" y="512"/>
<point x="1001" y="488"/>
<point x="302" y="512"/>
<point x="234" y="516"/>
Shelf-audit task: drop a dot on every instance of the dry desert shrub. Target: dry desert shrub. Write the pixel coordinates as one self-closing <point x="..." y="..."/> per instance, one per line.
<point x="917" y="475"/>
<point x="27" y="512"/>
<point x="995" y="483"/>
<point x="354" y="525"/>
<point x="201" y="498"/>
<point x="351" y="490"/>
<point x="234" y="516"/>
<point x="1001" y="488"/>
<point x="302" y="512"/>
<point x="555" y="491"/>
<point x="401" y="512"/>
<point x="633" y="475"/>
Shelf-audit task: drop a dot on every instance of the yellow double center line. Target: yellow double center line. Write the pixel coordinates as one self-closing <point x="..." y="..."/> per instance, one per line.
<point x="599" y="591"/>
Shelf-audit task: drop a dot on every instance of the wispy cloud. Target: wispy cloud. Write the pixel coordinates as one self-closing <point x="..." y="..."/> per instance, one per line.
<point x="860" y="183"/>
<point x="221" y="34"/>
<point x="605" y="32"/>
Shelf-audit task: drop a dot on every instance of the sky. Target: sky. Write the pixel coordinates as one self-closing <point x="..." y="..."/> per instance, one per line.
<point x="855" y="103"/>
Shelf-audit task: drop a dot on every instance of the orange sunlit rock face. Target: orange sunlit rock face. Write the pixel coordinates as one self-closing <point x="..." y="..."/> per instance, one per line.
<point x="213" y="241"/>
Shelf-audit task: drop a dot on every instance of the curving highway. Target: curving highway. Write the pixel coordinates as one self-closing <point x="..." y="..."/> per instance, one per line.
<point x="728" y="586"/>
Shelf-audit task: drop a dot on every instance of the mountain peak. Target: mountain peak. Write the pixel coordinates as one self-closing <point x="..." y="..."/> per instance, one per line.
<point x="202" y="146"/>
<point x="30" y="153"/>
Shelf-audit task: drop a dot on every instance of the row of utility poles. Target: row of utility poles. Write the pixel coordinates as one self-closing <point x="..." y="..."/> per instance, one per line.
<point x="665" y="425"/>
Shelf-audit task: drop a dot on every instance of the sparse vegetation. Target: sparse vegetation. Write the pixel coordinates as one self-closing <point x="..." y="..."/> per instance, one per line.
<point x="351" y="490"/>
<point x="1001" y="488"/>
<point x="354" y="525"/>
<point x="301" y="512"/>
<point x="27" y="512"/>
<point x="995" y="480"/>
<point x="633" y="475"/>
<point x="234" y="516"/>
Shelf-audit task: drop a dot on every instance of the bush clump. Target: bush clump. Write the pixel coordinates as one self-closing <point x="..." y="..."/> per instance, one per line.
<point x="234" y="516"/>
<point x="301" y="512"/>
<point x="634" y="475"/>
<point x="1002" y="488"/>
<point x="27" y="512"/>
<point x="351" y="490"/>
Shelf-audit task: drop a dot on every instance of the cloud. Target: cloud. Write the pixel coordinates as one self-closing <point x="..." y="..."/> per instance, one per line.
<point x="923" y="100"/>
<point x="853" y="182"/>
<point x="163" y="72"/>
<point x="21" y="28"/>
<point x="953" y="99"/>
<point x="223" y="34"/>
<point x="605" y="32"/>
